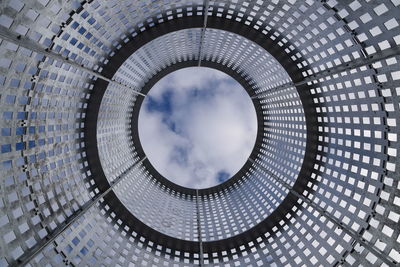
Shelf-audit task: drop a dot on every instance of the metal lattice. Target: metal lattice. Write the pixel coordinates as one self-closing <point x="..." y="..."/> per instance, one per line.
<point x="321" y="186"/>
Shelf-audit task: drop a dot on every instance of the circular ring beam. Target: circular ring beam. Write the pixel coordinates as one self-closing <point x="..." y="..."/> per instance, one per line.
<point x="102" y="182"/>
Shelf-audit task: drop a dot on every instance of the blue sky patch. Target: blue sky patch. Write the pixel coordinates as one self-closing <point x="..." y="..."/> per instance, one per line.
<point x="222" y="176"/>
<point x="162" y="105"/>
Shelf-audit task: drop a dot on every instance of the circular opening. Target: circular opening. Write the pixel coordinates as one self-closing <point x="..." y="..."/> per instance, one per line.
<point x="197" y="127"/>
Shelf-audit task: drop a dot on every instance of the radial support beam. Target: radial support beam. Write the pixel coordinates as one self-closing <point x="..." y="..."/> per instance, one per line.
<point x="323" y="212"/>
<point x="382" y="55"/>
<point x="203" y="30"/>
<point x="30" y="254"/>
<point x="201" y="260"/>
<point x="25" y="42"/>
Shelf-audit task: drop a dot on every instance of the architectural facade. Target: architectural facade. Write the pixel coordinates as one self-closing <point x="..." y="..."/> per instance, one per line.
<point x="321" y="186"/>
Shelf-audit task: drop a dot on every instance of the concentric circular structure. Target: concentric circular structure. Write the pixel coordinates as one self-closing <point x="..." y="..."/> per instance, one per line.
<point x="321" y="186"/>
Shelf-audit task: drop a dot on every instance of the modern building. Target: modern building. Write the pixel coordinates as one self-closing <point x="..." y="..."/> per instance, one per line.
<point x="320" y="188"/>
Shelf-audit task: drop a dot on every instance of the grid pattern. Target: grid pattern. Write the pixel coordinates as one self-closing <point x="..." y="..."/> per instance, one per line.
<point x="348" y="55"/>
<point x="238" y="208"/>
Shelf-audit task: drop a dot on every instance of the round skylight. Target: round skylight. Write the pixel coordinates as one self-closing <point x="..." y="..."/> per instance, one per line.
<point x="197" y="127"/>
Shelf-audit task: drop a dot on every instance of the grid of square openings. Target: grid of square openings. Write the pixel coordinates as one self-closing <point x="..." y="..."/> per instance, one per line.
<point x="240" y="207"/>
<point x="260" y="69"/>
<point x="115" y="148"/>
<point x="98" y="239"/>
<point x="161" y="208"/>
<point x="42" y="164"/>
<point x="375" y="25"/>
<point x="338" y="47"/>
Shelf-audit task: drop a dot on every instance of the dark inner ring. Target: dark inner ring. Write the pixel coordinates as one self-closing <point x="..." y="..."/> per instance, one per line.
<point x="102" y="183"/>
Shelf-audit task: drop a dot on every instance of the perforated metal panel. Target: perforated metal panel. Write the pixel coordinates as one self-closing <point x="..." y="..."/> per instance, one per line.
<point x="321" y="186"/>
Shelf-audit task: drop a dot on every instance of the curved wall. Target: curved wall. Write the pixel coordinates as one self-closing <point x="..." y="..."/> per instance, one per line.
<point x="338" y="63"/>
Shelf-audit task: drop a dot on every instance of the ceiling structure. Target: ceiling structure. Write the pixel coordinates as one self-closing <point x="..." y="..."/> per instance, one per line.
<point x="321" y="186"/>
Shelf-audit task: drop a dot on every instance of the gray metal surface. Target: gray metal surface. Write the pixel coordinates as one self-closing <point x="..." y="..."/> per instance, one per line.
<point x="29" y="255"/>
<point x="328" y="158"/>
<point x="22" y="41"/>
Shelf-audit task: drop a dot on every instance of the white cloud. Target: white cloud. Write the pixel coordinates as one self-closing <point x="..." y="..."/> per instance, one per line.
<point x="187" y="78"/>
<point x="215" y="132"/>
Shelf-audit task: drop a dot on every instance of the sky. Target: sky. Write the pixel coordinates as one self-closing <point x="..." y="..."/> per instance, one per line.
<point x="197" y="127"/>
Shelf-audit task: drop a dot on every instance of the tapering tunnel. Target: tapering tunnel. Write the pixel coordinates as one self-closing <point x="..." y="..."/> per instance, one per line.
<point x="320" y="187"/>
